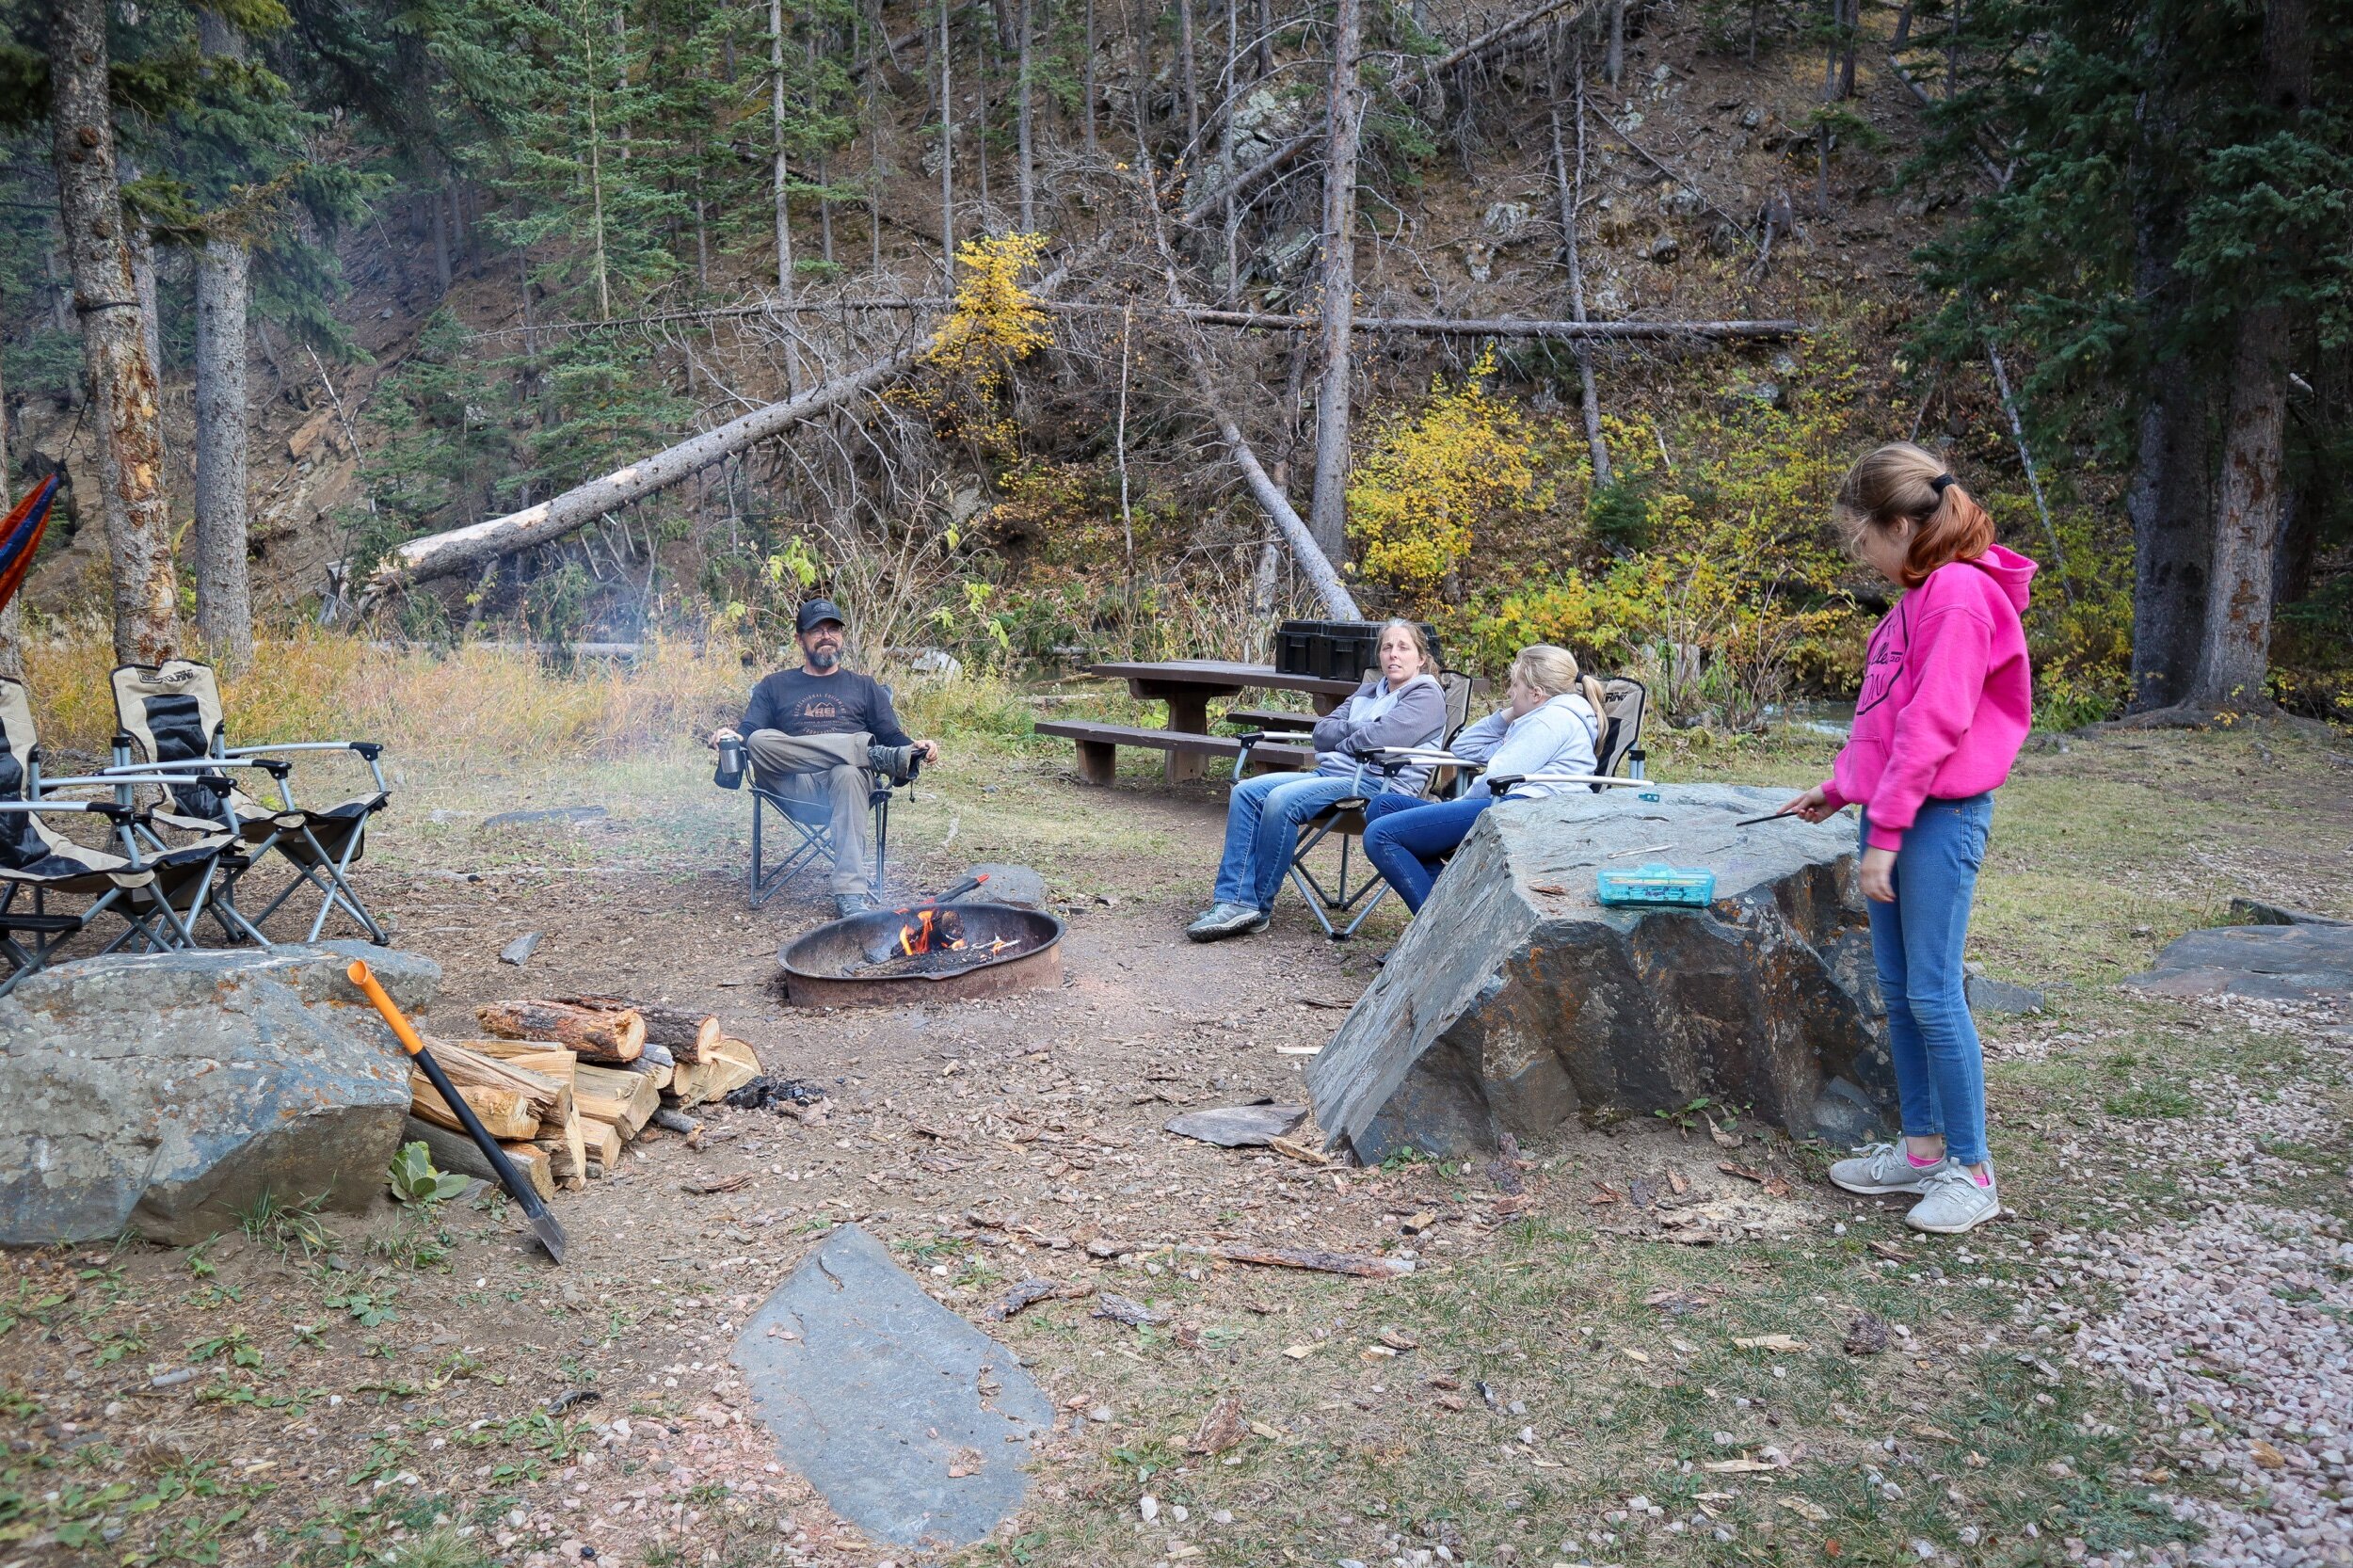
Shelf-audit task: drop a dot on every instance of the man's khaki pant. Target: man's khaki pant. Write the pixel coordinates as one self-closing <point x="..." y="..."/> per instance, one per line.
<point x="827" y="768"/>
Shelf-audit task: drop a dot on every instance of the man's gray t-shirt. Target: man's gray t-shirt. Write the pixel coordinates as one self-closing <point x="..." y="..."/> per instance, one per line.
<point x="843" y="703"/>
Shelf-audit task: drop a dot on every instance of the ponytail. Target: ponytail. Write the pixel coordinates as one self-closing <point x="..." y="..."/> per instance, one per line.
<point x="1552" y="671"/>
<point x="1902" y="481"/>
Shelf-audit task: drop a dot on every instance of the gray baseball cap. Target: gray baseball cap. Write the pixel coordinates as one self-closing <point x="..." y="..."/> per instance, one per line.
<point x="818" y="610"/>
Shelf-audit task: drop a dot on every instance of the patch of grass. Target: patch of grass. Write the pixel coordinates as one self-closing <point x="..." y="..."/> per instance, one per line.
<point x="2149" y="1102"/>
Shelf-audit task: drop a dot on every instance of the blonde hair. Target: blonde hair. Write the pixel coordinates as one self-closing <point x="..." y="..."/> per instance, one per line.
<point x="1549" y="671"/>
<point x="1900" y="481"/>
<point x="1421" y="640"/>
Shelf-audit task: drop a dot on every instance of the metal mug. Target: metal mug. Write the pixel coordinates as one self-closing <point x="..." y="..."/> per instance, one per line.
<point x="731" y="771"/>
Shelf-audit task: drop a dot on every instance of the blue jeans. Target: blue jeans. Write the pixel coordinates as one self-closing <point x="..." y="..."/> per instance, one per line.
<point x="1404" y="837"/>
<point x="1262" y="820"/>
<point x="1916" y="943"/>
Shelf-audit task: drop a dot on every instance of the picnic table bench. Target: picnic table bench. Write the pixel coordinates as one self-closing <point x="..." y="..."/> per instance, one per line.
<point x="1187" y="685"/>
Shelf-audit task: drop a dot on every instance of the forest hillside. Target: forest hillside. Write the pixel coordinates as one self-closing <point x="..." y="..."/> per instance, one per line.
<point x="1114" y="329"/>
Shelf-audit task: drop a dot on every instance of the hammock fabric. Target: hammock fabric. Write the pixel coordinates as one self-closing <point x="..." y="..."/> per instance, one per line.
<point x="19" y="537"/>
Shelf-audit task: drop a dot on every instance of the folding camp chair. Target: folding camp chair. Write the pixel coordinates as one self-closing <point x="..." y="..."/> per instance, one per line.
<point x="173" y="714"/>
<point x="810" y="820"/>
<point x="1626" y="702"/>
<point x="1346" y="818"/>
<point x="157" y="897"/>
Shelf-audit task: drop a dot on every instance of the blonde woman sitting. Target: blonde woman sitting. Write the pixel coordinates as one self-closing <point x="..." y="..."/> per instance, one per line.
<point x="1550" y="724"/>
<point x="1400" y="705"/>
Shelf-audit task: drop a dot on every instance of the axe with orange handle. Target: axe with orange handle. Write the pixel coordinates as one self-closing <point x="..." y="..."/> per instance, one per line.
<point x="543" y="1223"/>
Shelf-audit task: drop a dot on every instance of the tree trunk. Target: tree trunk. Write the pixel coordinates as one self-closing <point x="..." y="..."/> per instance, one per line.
<point x="2235" y="653"/>
<point x="440" y="245"/>
<point x="224" y="597"/>
<point x="776" y="116"/>
<point x="1188" y="80"/>
<point x="946" y="155"/>
<point x="1088" y="89"/>
<point x="2169" y="505"/>
<point x="2234" y="656"/>
<point x="1572" y="195"/>
<point x="1614" y="67"/>
<point x="1026" y="151"/>
<point x="1328" y="507"/>
<point x="120" y="371"/>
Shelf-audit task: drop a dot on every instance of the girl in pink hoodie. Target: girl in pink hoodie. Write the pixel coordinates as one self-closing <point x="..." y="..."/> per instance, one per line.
<point x="1947" y="697"/>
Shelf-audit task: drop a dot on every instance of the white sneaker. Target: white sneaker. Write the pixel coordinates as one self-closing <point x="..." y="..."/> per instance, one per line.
<point x="1955" y="1202"/>
<point x="1882" y="1168"/>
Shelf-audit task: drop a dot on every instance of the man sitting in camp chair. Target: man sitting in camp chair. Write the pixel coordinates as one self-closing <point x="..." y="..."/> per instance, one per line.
<point x="818" y="734"/>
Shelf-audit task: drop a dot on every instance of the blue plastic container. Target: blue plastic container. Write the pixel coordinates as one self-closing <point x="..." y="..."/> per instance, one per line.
<point x="1671" y="887"/>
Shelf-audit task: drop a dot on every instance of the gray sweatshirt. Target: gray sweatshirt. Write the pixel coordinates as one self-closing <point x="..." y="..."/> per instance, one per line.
<point x="1557" y="737"/>
<point x="1414" y="715"/>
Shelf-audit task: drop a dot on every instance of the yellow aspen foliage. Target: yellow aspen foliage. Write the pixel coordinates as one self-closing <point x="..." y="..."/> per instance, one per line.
<point x="993" y="325"/>
<point x="1435" y="480"/>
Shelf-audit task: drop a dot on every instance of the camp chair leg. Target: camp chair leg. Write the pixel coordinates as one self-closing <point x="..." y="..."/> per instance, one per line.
<point x="338" y="871"/>
<point x="882" y="843"/>
<point x="1323" y="903"/>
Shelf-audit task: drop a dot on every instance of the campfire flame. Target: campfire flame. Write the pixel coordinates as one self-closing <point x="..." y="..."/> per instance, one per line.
<point x="933" y="930"/>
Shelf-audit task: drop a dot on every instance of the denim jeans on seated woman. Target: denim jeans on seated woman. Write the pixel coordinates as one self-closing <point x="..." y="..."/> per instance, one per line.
<point x="1262" y="820"/>
<point x="1405" y="837"/>
<point x="1916" y="941"/>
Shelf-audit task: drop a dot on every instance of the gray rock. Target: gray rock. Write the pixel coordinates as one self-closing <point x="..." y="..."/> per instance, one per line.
<point x="1991" y="998"/>
<point x="895" y="1407"/>
<point x="166" y="1093"/>
<point x="1238" y="1126"/>
<point x="2282" y="963"/>
<point x="518" y="952"/>
<point x="1663" y="248"/>
<point x="1516" y="1000"/>
<point x="2249" y="911"/>
<point x="1008" y="885"/>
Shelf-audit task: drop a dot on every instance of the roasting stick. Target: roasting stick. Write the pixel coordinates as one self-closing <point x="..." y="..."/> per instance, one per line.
<point x="543" y="1223"/>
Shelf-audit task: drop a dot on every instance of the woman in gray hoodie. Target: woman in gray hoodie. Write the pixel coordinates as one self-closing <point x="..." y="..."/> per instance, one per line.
<point x="1400" y="705"/>
<point x="1551" y="724"/>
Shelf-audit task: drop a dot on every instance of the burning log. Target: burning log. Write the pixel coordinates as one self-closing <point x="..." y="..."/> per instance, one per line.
<point x="602" y="1035"/>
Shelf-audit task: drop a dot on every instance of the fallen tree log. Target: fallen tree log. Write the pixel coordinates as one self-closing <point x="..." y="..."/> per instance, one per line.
<point x="1504" y="32"/>
<point x="1493" y="326"/>
<point x="470" y="549"/>
<point x="1202" y="203"/>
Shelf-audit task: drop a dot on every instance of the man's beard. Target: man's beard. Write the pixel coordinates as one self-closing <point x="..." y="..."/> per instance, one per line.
<point x="824" y="658"/>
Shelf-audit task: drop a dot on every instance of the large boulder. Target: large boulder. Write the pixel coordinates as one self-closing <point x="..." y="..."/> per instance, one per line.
<point x="1517" y="1000"/>
<point x="166" y="1093"/>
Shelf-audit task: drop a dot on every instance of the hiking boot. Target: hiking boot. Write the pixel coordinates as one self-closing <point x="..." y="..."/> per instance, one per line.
<point x="1954" y="1202"/>
<point x="896" y="763"/>
<point x="1882" y="1168"/>
<point x="847" y="904"/>
<point x="1226" y="919"/>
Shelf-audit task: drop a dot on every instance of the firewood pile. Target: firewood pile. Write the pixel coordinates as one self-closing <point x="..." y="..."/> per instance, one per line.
<point x="564" y="1083"/>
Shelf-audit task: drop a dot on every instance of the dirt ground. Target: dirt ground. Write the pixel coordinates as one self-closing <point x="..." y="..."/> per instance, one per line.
<point x="1584" y="1371"/>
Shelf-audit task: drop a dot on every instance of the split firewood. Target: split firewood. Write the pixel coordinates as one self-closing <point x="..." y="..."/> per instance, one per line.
<point x="1320" y="1261"/>
<point x="620" y="1099"/>
<point x="602" y="1142"/>
<point x="566" y="1146"/>
<point x="686" y="1035"/>
<point x="606" y="1036"/>
<point x="468" y="1069"/>
<point x="503" y="1113"/>
<point x="726" y="1066"/>
<point x="457" y="1152"/>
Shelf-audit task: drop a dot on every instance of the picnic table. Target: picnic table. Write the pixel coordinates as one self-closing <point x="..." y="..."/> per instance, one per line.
<point x="1187" y="685"/>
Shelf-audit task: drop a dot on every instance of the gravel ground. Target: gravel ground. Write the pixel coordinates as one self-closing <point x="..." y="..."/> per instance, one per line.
<point x="2233" y="1322"/>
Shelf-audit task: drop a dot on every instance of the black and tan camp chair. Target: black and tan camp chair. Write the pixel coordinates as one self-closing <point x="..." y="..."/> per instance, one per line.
<point x="1626" y="702"/>
<point x="156" y="896"/>
<point x="809" y="822"/>
<point x="1345" y="818"/>
<point x="171" y="720"/>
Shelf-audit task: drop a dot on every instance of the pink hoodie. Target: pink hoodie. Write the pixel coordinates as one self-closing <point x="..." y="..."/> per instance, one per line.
<point x="1948" y="696"/>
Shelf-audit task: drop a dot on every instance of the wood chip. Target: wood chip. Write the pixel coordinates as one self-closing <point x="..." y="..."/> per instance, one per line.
<point x="1805" y="1510"/>
<point x="705" y="1186"/>
<point x="1737" y="1466"/>
<point x="1300" y="1152"/>
<point x="1777" y="1342"/>
<point x="1221" y="1427"/>
<point x="1319" y="1261"/>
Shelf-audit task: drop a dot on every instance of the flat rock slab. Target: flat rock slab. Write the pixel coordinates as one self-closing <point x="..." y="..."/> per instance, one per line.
<point x="2281" y="963"/>
<point x="1006" y="884"/>
<point x="1238" y="1126"/>
<point x="913" y="1423"/>
<point x="165" y="1094"/>
<point x="1516" y="1000"/>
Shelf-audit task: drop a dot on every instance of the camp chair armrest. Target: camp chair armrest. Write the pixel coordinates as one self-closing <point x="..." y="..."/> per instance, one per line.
<point x="141" y="775"/>
<point x="95" y="807"/>
<point x="270" y="765"/>
<point x="369" y="749"/>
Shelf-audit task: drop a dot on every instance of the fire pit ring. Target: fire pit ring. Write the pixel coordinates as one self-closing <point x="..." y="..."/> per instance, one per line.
<point x="832" y="965"/>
